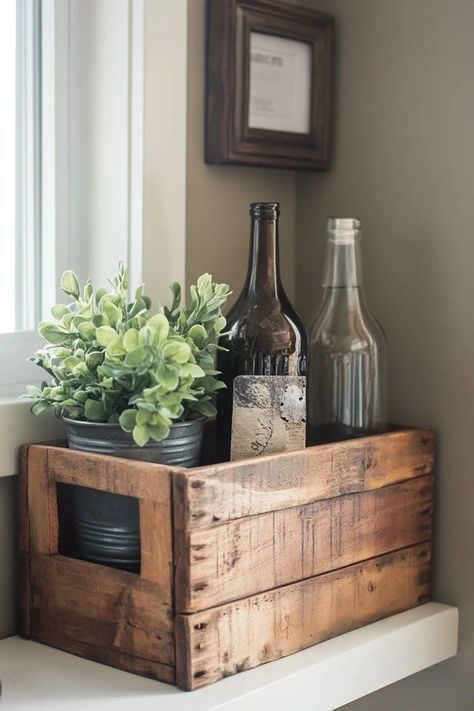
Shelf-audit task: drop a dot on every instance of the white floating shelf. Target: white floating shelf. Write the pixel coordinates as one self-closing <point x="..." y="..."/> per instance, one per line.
<point x="321" y="678"/>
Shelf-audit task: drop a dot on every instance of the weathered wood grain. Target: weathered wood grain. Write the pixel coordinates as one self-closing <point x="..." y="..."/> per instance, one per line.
<point x="244" y="634"/>
<point x="23" y="515"/>
<point x="143" y="480"/>
<point x="156" y="546"/>
<point x="111" y="657"/>
<point x="249" y="555"/>
<point x="42" y="503"/>
<point x="95" y="605"/>
<point x="224" y="492"/>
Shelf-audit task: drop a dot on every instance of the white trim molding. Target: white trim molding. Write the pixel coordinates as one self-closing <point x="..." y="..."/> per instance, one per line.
<point x="18" y="426"/>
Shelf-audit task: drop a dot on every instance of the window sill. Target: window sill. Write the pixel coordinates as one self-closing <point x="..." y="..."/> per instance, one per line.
<point x="322" y="678"/>
<point x="17" y="426"/>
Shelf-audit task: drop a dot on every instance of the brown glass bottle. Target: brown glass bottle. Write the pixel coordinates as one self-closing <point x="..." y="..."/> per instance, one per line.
<point x="265" y="334"/>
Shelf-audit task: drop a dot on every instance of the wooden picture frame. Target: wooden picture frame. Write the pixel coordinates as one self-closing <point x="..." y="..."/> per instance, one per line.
<point x="303" y="41"/>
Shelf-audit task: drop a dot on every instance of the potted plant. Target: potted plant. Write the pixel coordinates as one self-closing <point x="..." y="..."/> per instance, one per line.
<point x="130" y="383"/>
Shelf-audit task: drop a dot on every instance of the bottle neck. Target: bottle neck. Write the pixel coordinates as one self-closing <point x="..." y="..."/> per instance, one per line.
<point x="264" y="268"/>
<point x="343" y="265"/>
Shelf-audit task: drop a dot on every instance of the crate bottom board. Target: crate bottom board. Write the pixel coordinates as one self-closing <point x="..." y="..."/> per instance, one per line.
<point x="223" y="640"/>
<point x="228" y="639"/>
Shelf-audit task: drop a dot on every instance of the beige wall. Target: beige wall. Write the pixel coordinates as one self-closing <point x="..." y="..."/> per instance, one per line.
<point x="404" y="163"/>
<point x="217" y="200"/>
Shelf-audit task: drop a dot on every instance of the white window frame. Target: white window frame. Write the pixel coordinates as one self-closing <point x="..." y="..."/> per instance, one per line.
<point x="156" y="175"/>
<point x="45" y="233"/>
<point x="15" y="347"/>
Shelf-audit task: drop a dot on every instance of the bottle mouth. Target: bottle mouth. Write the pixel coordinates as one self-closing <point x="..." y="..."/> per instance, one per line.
<point x="343" y="230"/>
<point x="265" y="210"/>
<point x="343" y="224"/>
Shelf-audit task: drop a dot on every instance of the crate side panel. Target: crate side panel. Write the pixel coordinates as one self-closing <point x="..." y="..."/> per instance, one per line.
<point x="261" y="628"/>
<point x="76" y="601"/>
<point x="258" y="553"/>
<point x="156" y="548"/>
<point x="142" y="480"/>
<point x="233" y="490"/>
<point x="110" y="657"/>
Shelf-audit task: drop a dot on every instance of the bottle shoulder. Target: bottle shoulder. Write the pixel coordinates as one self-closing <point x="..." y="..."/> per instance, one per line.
<point x="341" y="328"/>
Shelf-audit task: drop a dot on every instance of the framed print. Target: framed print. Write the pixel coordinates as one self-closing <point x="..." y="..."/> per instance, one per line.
<point x="268" y="92"/>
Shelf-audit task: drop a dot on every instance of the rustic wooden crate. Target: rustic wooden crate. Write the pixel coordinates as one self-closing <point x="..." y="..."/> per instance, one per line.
<point x="241" y="563"/>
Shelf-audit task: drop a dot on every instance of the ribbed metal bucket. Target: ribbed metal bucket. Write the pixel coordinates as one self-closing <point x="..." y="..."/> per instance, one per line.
<point x="106" y="526"/>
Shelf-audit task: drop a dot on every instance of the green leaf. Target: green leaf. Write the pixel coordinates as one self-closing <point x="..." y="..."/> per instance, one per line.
<point x="80" y="370"/>
<point x="59" y="310"/>
<point x="88" y="290"/>
<point x="198" y="334"/>
<point x="191" y="369"/>
<point x="141" y="358"/>
<point x="220" y="324"/>
<point x="158" y="432"/>
<point x="167" y="376"/>
<point x="71" y="362"/>
<point x="141" y="434"/>
<point x="32" y="391"/>
<point x="160" y="325"/>
<point x="177" y="351"/>
<point x="98" y="295"/>
<point x="112" y="313"/>
<point x="87" y="331"/>
<point x="105" y="335"/>
<point x="208" y="409"/>
<point x="39" y="407"/>
<point x="94" y="410"/>
<point x="70" y="284"/>
<point x="130" y="339"/>
<point x="99" y="320"/>
<point x="128" y="420"/>
<point x="52" y="333"/>
<point x="143" y="417"/>
<point x="94" y="359"/>
<point x="115" y="347"/>
<point x="146" y="336"/>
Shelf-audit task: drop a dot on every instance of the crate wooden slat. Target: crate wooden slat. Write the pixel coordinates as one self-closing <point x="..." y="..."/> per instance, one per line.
<point x="244" y="488"/>
<point x="216" y="643"/>
<point x="261" y="552"/>
<point x="241" y="563"/>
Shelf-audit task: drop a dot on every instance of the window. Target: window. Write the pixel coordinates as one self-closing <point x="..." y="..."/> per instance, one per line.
<point x="20" y="208"/>
<point x="7" y="164"/>
<point x="20" y="165"/>
<point x="71" y="125"/>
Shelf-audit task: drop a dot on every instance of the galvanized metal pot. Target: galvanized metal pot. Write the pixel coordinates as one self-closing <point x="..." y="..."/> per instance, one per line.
<point x="106" y="526"/>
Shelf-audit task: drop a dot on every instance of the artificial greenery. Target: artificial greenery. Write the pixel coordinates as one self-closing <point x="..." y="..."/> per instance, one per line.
<point x="111" y="360"/>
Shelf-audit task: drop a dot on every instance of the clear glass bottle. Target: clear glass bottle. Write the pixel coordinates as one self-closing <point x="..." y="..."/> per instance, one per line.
<point x="347" y="379"/>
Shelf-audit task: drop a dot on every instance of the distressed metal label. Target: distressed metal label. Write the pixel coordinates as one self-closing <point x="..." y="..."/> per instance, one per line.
<point x="268" y="414"/>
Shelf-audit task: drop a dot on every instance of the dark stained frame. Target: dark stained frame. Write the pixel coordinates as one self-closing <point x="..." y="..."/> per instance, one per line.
<point x="229" y="139"/>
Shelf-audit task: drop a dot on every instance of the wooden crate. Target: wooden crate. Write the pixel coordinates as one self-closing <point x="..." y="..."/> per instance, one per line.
<point x="241" y="563"/>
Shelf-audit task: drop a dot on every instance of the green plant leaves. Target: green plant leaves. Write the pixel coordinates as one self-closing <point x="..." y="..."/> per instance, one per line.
<point x="109" y="359"/>
<point x="141" y="434"/>
<point x="167" y="376"/>
<point x="159" y="323"/>
<point x="53" y="333"/>
<point x="128" y="419"/>
<point x="87" y="330"/>
<point x="70" y="284"/>
<point x="105" y="335"/>
<point x="130" y="340"/>
<point x="94" y="410"/>
<point x="177" y="351"/>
